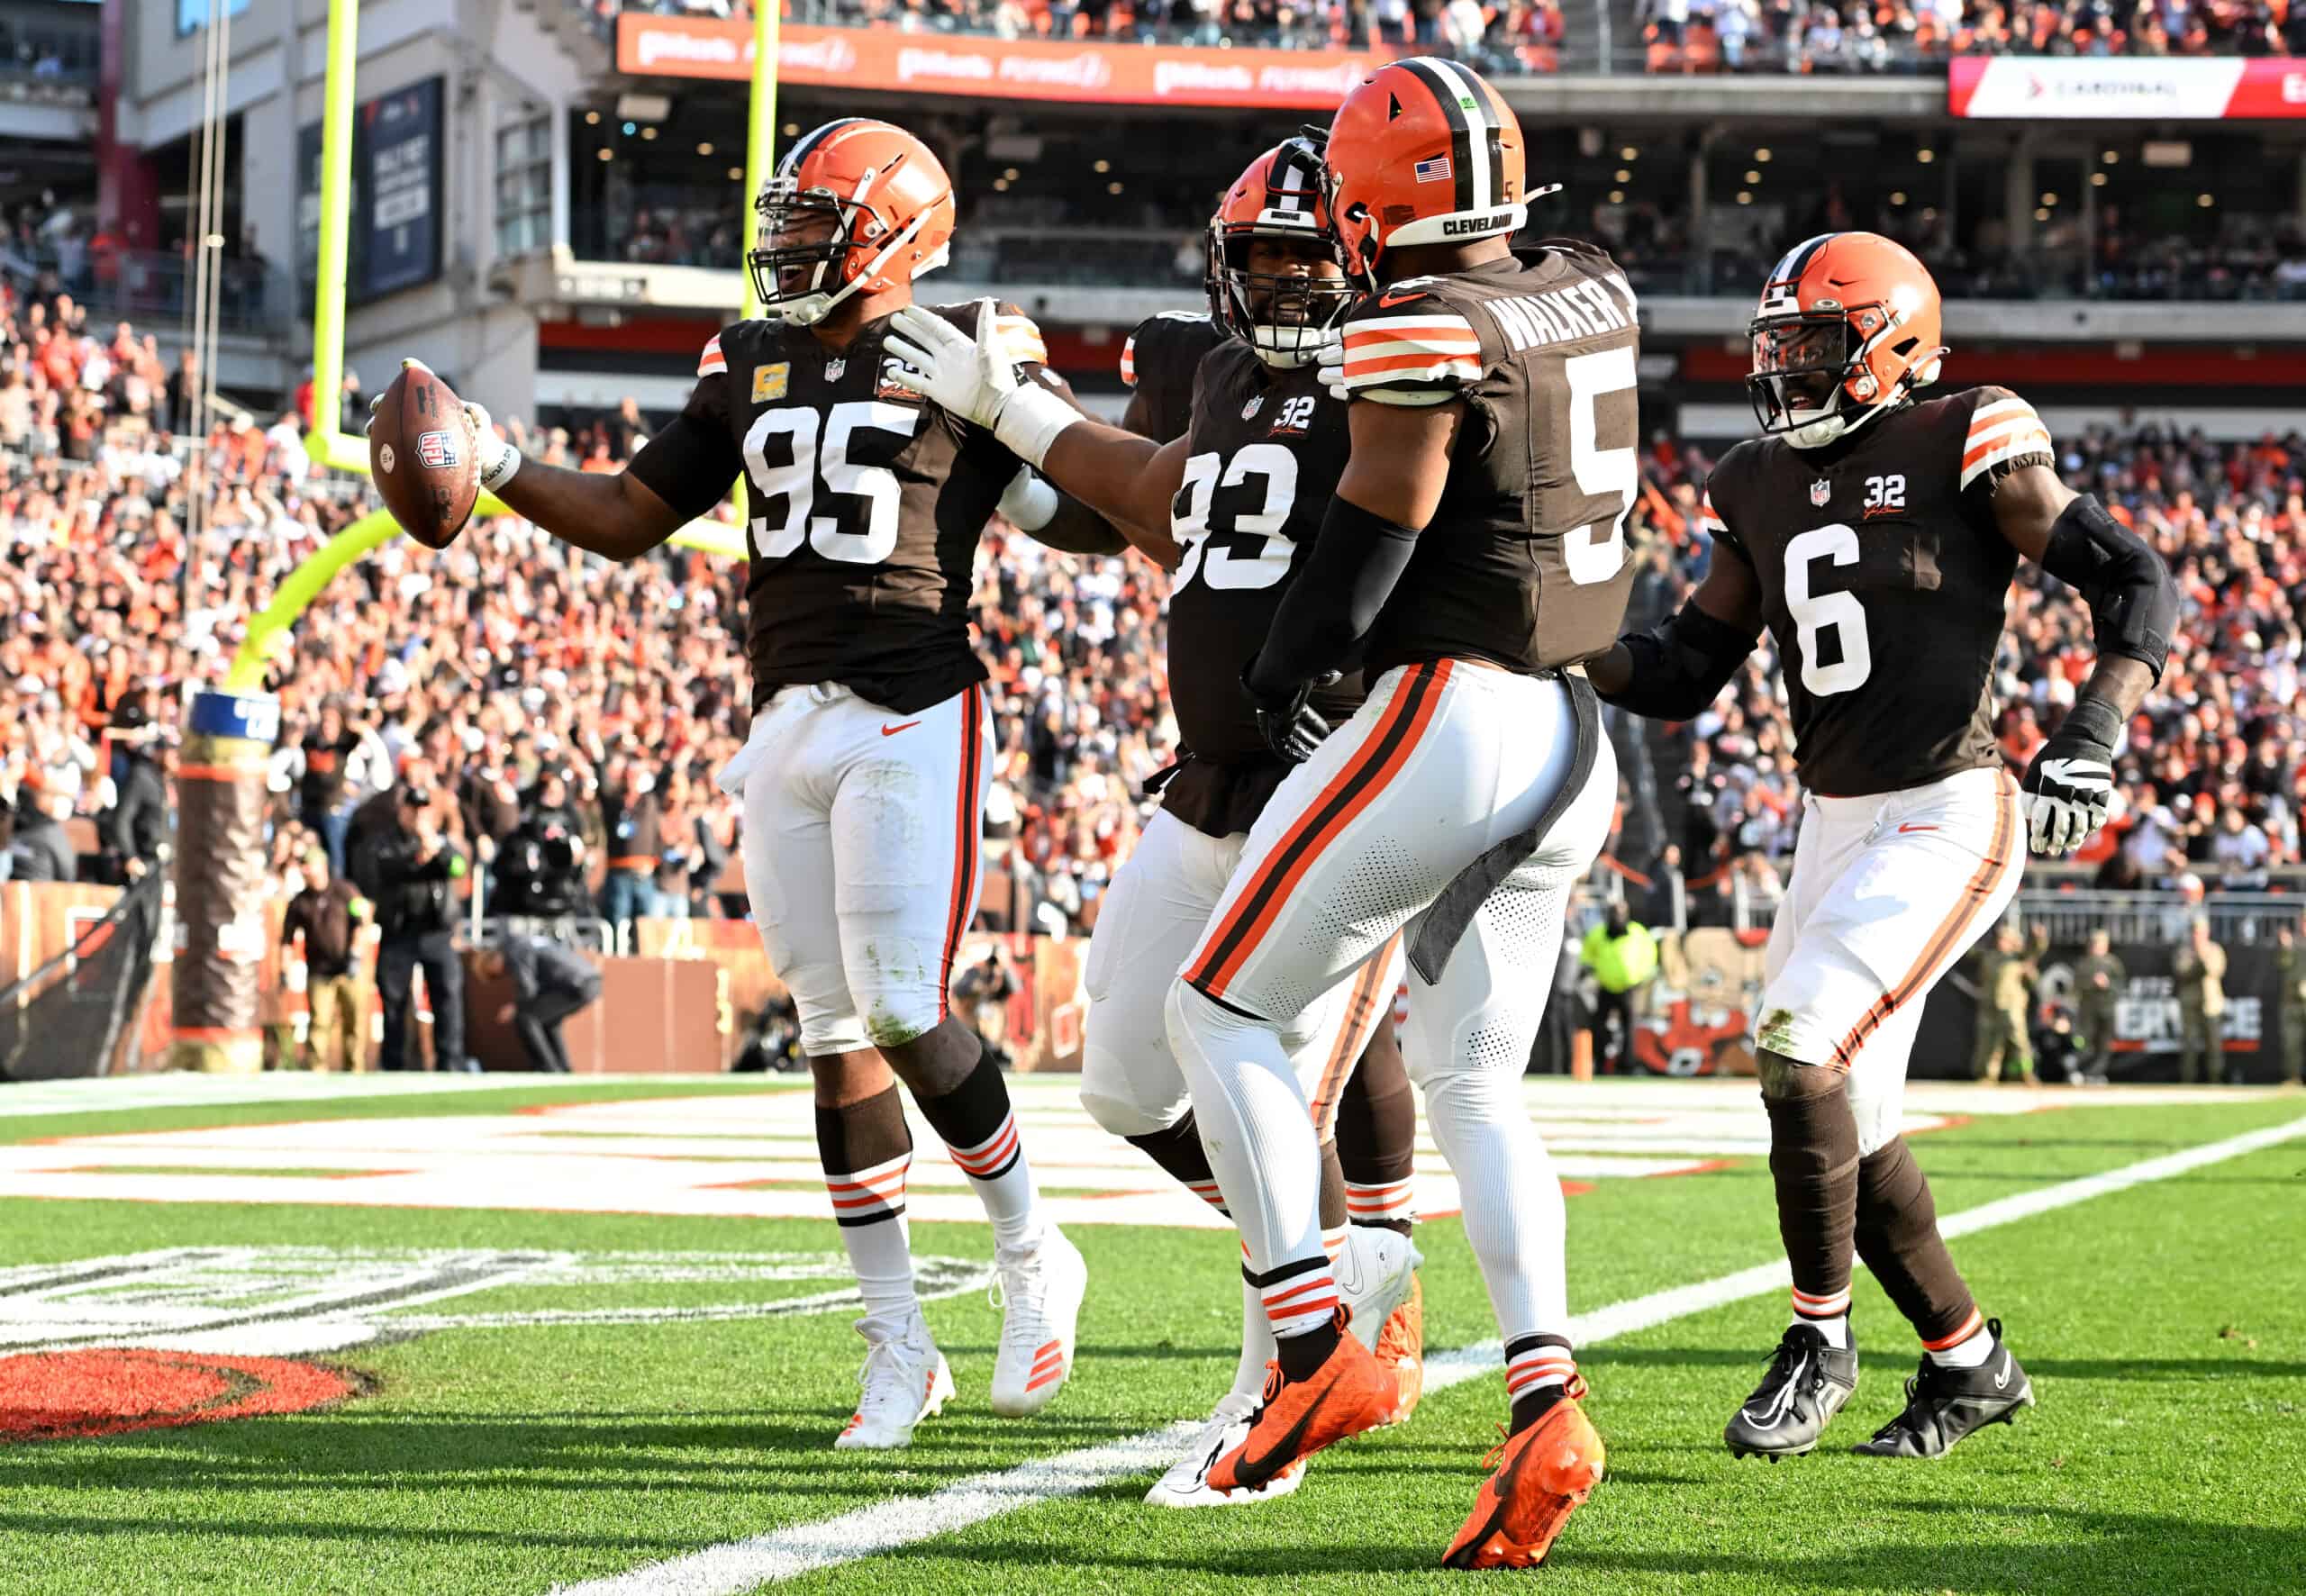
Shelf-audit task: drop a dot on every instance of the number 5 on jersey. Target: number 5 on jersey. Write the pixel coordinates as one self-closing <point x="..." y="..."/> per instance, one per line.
<point x="837" y="536"/>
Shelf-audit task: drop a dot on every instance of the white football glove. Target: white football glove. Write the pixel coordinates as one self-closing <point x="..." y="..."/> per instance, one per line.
<point x="1330" y="372"/>
<point x="976" y="378"/>
<point x="2069" y="788"/>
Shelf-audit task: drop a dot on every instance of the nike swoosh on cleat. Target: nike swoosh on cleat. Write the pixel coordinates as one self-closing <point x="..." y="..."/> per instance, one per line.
<point x="2002" y="1376"/>
<point x="1917" y="828"/>
<point x="893" y="731"/>
<point x="1279" y="1455"/>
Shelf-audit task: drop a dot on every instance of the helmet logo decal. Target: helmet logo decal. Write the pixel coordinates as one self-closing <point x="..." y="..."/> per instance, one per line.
<point x="1433" y="170"/>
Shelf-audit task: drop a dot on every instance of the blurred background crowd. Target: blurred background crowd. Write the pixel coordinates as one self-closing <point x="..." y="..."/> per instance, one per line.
<point x="1506" y="36"/>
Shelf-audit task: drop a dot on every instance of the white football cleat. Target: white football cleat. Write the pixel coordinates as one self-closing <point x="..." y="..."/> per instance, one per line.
<point x="1376" y="1277"/>
<point x="1187" y="1484"/>
<point x="906" y="1381"/>
<point x="1039" y="1290"/>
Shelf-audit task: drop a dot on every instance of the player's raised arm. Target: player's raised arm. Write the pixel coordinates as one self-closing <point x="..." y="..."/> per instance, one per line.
<point x="2133" y="611"/>
<point x="610" y="515"/>
<point x="1677" y="667"/>
<point x="1127" y="478"/>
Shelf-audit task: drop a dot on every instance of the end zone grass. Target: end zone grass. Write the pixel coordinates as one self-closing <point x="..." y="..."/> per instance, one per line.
<point x="2165" y="1327"/>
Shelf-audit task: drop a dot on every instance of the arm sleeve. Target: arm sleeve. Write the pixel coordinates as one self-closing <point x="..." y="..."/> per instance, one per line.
<point x="1330" y="607"/>
<point x="1416" y="352"/>
<point x="692" y="462"/>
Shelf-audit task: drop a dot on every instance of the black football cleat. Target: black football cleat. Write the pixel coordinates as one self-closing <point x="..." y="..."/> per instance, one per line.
<point x="1807" y="1384"/>
<point x="1943" y="1405"/>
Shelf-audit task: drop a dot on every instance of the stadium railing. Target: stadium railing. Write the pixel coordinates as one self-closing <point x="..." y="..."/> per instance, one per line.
<point x="149" y="285"/>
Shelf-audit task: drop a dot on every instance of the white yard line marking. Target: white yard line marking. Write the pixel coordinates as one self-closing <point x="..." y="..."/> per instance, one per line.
<point x="906" y="1520"/>
<point x="124" y="1094"/>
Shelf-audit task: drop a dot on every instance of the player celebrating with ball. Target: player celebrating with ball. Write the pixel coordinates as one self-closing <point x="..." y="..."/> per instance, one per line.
<point x="865" y="774"/>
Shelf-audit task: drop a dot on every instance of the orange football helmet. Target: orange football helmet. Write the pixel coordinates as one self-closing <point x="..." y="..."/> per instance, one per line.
<point x="1423" y="152"/>
<point x="891" y="210"/>
<point x="1849" y="323"/>
<point x="1283" y="315"/>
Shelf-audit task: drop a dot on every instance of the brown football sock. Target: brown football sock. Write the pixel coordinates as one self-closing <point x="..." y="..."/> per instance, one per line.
<point x="1897" y="1235"/>
<point x="1178" y="1150"/>
<point x="1377" y="1137"/>
<point x="1814" y="1161"/>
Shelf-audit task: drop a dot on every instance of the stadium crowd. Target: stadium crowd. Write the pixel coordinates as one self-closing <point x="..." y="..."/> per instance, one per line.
<point x="1507" y="36"/>
<point x="561" y="709"/>
<point x="541" y="696"/>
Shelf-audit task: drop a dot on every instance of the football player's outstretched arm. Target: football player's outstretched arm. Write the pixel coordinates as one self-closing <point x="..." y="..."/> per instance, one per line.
<point x="609" y="513"/>
<point x="1677" y="667"/>
<point x="2133" y="613"/>
<point x="1131" y="479"/>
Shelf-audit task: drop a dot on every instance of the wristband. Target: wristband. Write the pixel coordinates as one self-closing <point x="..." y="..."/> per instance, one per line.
<point x="2095" y="718"/>
<point x="1028" y="420"/>
<point x="508" y="460"/>
<point x="1029" y="503"/>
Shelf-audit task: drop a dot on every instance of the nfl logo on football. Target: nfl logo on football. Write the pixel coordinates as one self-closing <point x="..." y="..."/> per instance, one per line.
<point x="436" y="449"/>
<point x="1820" y="490"/>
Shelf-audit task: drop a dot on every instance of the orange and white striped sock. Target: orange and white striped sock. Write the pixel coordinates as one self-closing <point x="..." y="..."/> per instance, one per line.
<point x="1392" y="1203"/>
<point x="980" y="1131"/>
<point x="1300" y="1297"/>
<point x="1967" y="1348"/>
<point x="1827" y="1313"/>
<point x="1536" y="1369"/>
<point x="867" y="1153"/>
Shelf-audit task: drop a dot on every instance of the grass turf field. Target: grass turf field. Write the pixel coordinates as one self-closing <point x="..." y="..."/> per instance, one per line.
<point x="2164" y="1325"/>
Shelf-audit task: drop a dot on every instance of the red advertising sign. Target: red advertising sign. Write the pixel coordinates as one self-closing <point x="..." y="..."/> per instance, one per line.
<point x="995" y="68"/>
<point x="2197" y="88"/>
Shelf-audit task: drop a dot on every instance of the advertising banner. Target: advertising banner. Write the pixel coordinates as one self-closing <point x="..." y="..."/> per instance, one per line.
<point x="399" y="162"/>
<point x="984" y="66"/>
<point x="2146" y="1032"/>
<point x="2196" y="88"/>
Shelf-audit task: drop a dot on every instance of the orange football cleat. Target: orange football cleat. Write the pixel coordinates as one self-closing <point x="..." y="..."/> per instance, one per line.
<point x="1401" y="1350"/>
<point x="1350" y="1392"/>
<point x="1540" y="1478"/>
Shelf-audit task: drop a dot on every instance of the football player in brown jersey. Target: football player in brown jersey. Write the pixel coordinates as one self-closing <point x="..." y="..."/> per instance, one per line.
<point x="1491" y="397"/>
<point x="863" y="776"/>
<point x="1875" y="534"/>
<point x="1259" y="444"/>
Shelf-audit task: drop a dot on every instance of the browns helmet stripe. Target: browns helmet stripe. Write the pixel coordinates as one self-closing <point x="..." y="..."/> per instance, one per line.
<point x="790" y="167"/>
<point x="1489" y="159"/>
<point x="1787" y="272"/>
<point x="1427" y="72"/>
<point x="1294" y="177"/>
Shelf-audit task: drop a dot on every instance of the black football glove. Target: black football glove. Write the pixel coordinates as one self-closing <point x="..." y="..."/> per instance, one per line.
<point x="2070" y="785"/>
<point x="1292" y="728"/>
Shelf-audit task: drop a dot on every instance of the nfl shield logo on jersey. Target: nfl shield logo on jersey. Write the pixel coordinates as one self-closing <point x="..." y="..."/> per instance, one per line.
<point x="1820" y="490"/>
<point x="834" y="369"/>
<point x="1252" y="407"/>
